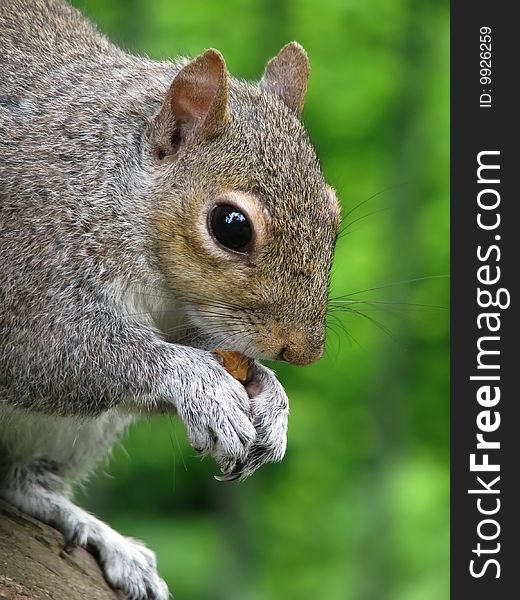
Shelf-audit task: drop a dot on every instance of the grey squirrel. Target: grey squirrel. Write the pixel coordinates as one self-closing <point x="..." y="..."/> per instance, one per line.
<point x="149" y="212"/>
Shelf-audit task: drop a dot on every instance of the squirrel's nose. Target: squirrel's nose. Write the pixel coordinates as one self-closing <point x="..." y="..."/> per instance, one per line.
<point x="302" y="351"/>
<point x="297" y="357"/>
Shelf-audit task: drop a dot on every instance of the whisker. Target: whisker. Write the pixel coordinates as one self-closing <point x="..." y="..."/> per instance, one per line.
<point x="339" y="305"/>
<point x="383" y="191"/>
<point x="338" y="323"/>
<point x="201" y="300"/>
<point x="392" y="284"/>
<point x="375" y="322"/>
<point x="204" y="335"/>
<point x="343" y="229"/>
<point x="331" y="329"/>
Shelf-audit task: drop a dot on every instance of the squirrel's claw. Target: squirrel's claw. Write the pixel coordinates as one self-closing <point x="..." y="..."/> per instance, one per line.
<point x="229" y="476"/>
<point x="232" y="474"/>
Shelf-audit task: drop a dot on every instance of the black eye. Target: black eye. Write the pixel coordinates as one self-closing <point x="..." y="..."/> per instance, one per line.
<point x="230" y="227"/>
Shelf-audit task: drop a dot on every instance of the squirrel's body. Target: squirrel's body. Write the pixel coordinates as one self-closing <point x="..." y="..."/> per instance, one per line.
<point x="149" y="212"/>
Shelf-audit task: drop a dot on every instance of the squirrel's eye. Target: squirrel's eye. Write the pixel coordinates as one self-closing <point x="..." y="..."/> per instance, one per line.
<point x="231" y="228"/>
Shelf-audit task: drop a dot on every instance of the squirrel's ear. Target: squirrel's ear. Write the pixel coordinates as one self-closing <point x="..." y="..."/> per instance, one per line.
<point x="287" y="75"/>
<point x="195" y="101"/>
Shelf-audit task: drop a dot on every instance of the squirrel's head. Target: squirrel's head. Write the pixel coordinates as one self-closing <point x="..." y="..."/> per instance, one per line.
<point x="245" y="223"/>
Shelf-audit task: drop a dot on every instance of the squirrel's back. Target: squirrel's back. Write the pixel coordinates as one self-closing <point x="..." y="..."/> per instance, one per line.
<point x="40" y="34"/>
<point x="71" y="102"/>
<point x="73" y="109"/>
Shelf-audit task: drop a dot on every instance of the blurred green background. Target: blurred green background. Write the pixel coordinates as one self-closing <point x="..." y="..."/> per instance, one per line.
<point x="359" y="508"/>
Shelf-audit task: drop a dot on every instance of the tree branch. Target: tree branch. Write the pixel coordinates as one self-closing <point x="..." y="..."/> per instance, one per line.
<point x="35" y="566"/>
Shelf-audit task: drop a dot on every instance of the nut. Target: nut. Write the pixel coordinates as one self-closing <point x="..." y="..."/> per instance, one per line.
<point x="235" y="363"/>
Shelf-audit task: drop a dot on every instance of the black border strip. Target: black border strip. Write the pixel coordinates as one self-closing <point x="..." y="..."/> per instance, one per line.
<point x="477" y="127"/>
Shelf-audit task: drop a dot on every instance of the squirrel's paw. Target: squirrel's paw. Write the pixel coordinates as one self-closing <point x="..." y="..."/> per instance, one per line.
<point x="269" y="408"/>
<point x="216" y="416"/>
<point x="131" y="568"/>
<point x="128" y="565"/>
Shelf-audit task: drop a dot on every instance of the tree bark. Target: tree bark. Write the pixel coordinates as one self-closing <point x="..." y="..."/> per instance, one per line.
<point x="35" y="566"/>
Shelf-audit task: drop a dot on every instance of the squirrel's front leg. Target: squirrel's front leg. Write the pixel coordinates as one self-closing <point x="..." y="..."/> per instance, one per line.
<point x="102" y="361"/>
<point x="82" y="366"/>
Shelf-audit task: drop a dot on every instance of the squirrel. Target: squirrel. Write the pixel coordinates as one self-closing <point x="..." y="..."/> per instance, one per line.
<point x="149" y="212"/>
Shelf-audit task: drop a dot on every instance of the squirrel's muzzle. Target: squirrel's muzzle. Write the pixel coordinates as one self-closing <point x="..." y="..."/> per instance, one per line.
<point x="302" y="347"/>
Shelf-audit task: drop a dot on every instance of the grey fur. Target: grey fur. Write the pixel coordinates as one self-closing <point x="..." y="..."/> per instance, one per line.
<point x="110" y="297"/>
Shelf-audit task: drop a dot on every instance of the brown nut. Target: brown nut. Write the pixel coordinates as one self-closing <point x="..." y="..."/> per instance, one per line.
<point x="236" y="364"/>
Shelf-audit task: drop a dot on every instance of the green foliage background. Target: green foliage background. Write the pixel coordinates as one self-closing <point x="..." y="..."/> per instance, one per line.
<point x="359" y="508"/>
